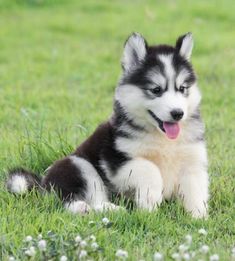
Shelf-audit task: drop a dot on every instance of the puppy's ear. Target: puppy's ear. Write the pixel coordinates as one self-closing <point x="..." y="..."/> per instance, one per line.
<point x="135" y="50"/>
<point x="184" y="45"/>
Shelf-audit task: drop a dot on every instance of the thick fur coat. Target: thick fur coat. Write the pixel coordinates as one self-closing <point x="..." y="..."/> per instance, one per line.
<point x="152" y="145"/>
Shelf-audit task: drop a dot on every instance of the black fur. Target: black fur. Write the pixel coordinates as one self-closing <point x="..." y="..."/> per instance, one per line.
<point x="66" y="179"/>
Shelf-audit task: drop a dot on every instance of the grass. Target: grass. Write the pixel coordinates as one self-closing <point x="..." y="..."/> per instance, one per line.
<point x="59" y="63"/>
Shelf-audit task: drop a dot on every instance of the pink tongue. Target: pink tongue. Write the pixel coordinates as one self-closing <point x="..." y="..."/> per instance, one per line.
<point x="172" y="129"/>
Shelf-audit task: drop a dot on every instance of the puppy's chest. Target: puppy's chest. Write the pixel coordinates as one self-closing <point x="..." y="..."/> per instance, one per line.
<point x="168" y="156"/>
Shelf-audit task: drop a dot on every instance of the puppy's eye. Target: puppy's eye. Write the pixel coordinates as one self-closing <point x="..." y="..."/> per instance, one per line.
<point x="182" y="89"/>
<point x="157" y="90"/>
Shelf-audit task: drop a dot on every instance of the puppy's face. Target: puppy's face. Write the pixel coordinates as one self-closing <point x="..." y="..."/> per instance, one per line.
<point x="158" y="86"/>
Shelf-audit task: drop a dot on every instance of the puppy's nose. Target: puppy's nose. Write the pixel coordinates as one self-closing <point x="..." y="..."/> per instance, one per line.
<point x="177" y="114"/>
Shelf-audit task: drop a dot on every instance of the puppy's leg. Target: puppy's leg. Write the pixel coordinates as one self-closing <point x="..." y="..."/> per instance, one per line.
<point x="96" y="194"/>
<point x="193" y="189"/>
<point x="144" y="177"/>
<point x="78" y="184"/>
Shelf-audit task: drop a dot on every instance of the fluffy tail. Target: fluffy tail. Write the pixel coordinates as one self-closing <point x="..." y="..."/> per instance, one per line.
<point x="20" y="181"/>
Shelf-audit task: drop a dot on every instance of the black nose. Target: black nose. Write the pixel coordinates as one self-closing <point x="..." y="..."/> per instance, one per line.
<point x="177" y="114"/>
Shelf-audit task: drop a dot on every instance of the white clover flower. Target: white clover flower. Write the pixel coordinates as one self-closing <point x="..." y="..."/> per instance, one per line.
<point x="157" y="256"/>
<point x="78" y="239"/>
<point x="39" y="236"/>
<point x="176" y="256"/>
<point x="42" y="245"/>
<point x="233" y="252"/>
<point x="28" y="239"/>
<point x="82" y="254"/>
<point x="121" y="254"/>
<point x="202" y="231"/>
<point x="183" y="248"/>
<point x="214" y="257"/>
<point x="94" y="246"/>
<point x="92" y="238"/>
<point x="63" y="258"/>
<point x="105" y="221"/>
<point x="11" y="258"/>
<point x="204" y="249"/>
<point x="83" y="244"/>
<point x="30" y="252"/>
<point x="186" y="256"/>
<point x="188" y="239"/>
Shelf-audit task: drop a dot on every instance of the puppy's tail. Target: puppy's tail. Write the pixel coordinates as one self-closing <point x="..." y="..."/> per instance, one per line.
<point x="21" y="181"/>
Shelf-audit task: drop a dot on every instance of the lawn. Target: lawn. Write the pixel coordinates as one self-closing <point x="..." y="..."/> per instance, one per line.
<point x="59" y="64"/>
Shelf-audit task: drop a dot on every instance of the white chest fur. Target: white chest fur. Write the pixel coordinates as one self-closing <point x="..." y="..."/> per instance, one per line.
<point x="172" y="157"/>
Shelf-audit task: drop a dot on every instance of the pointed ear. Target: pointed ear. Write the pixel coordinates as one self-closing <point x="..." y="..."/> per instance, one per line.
<point x="135" y="50"/>
<point x="184" y="45"/>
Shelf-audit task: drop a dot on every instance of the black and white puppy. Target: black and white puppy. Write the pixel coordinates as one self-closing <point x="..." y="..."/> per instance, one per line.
<point x="153" y="143"/>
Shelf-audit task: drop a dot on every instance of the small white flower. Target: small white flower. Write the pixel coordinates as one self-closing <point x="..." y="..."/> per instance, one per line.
<point x="214" y="257"/>
<point x="204" y="249"/>
<point x="188" y="239"/>
<point x="105" y="221"/>
<point x="42" y="244"/>
<point x="176" y="256"/>
<point x="30" y="252"/>
<point x="82" y="254"/>
<point x="186" y="256"/>
<point x="121" y="254"/>
<point x="28" y="239"/>
<point x="63" y="258"/>
<point x="183" y="248"/>
<point x="83" y="244"/>
<point x="233" y="252"/>
<point x="78" y="239"/>
<point x="11" y="258"/>
<point x="157" y="256"/>
<point x="92" y="238"/>
<point x="39" y="236"/>
<point x="94" y="246"/>
<point x="202" y="231"/>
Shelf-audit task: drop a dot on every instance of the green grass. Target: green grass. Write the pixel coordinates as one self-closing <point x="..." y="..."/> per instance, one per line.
<point x="59" y="63"/>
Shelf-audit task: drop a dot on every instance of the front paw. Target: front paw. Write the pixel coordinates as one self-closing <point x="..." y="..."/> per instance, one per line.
<point x="107" y="206"/>
<point x="199" y="213"/>
<point x="149" y="202"/>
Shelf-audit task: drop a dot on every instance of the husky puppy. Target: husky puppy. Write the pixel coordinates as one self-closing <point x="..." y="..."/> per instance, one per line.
<point x="152" y="145"/>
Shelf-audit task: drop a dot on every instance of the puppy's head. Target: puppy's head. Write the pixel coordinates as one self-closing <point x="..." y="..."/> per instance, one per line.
<point x="158" y="86"/>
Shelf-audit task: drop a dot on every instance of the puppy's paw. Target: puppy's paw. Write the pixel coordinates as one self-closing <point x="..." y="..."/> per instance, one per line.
<point x="107" y="206"/>
<point x="199" y="213"/>
<point x="78" y="207"/>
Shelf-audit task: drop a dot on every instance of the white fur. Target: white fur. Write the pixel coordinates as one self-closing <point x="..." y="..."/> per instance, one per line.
<point x="134" y="51"/>
<point x="169" y="70"/>
<point x="193" y="189"/>
<point x="187" y="46"/>
<point x="175" y="161"/>
<point x="78" y="207"/>
<point x="144" y="178"/>
<point x="17" y="184"/>
<point x="96" y="191"/>
<point x="107" y="206"/>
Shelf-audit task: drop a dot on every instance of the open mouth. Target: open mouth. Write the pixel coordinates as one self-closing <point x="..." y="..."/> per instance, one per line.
<point x="172" y="129"/>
